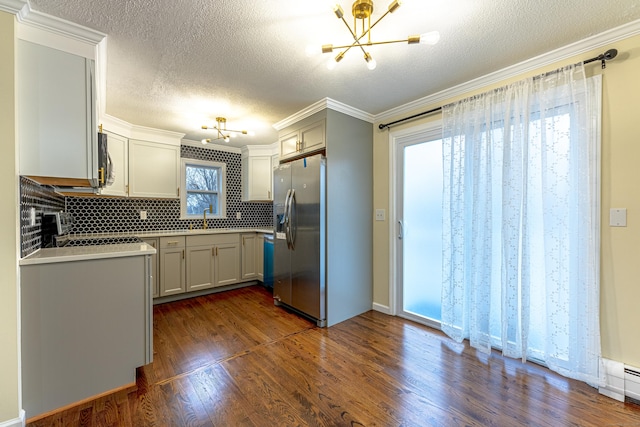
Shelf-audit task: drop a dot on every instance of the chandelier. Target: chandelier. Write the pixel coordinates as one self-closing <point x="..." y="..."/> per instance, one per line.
<point x="362" y="10"/>
<point x="223" y="132"/>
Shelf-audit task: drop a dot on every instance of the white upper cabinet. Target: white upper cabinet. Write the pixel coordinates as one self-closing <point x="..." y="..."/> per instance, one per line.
<point x="118" y="147"/>
<point x="303" y="140"/>
<point x="257" y="174"/>
<point x="154" y="169"/>
<point x="56" y="112"/>
<point x="146" y="161"/>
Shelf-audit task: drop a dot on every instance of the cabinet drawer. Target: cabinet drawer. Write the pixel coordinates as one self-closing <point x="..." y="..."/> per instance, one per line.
<point x="212" y="239"/>
<point x="172" y="242"/>
<point x="200" y="240"/>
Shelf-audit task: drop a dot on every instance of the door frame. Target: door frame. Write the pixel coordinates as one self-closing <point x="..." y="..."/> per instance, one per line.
<point x="419" y="133"/>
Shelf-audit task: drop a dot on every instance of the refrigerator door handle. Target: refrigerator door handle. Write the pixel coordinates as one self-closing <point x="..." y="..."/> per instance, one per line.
<point x="291" y="218"/>
<point x="285" y="218"/>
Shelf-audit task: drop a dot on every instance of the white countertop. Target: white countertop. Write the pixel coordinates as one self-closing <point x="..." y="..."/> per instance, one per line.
<point x="163" y="233"/>
<point x="80" y="253"/>
<point x="167" y="233"/>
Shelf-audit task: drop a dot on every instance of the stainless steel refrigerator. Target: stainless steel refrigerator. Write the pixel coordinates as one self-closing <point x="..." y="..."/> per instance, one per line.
<point x="299" y="231"/>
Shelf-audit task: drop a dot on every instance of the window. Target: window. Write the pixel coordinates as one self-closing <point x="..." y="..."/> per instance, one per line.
<point x="204" y="186"/>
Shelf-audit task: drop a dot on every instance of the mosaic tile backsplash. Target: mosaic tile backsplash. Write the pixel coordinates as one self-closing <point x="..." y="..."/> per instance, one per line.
<point x="122" y="215"/>
<point x="43" y="199"/>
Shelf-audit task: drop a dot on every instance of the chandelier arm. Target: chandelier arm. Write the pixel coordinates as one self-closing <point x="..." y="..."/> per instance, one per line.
<point x="369" y="44"/>
<point x="355" y="38"/>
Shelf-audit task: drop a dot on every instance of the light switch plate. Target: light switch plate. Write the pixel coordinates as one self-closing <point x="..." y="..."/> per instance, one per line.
<point x="618" y="217"/>
<point x="380" y="214"/>
<point x="143" y="214"/>
<point x="238" y="215"/>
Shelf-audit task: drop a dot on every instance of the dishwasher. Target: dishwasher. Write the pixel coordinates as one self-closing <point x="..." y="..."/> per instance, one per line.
<point x="268" y="261"/>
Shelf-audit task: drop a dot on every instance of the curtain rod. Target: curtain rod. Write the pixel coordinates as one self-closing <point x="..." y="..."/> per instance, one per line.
<point x="607" y="56"/>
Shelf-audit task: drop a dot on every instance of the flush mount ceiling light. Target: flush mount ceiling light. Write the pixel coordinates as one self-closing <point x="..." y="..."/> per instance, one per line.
<point x="362" y="10"/>
<point x="223" y="132"/>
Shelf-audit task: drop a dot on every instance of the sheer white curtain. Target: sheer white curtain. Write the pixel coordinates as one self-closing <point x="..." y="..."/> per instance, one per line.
<point x="521" y="221"/>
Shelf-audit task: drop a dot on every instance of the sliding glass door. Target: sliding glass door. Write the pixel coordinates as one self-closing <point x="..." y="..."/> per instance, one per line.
<point x="419" y="227"/>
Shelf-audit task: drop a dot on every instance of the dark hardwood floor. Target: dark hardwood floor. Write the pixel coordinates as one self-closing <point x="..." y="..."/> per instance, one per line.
<point x="234" y="359"/>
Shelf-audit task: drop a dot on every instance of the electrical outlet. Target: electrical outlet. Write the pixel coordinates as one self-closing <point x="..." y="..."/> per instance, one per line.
<point x="238" y="215"/>
<point x="143" y="214"/>
<point x="380" y="214"/>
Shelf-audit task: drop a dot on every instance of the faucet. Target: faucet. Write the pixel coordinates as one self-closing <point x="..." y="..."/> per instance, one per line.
<point x="204" y="216"/>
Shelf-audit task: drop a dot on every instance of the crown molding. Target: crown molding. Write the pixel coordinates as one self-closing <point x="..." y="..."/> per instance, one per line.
<point x="322" y="105"/>
<point x="120" y="127"/>
<point x="14" y="7"/>
<point x="599" y="40"/>
<point x="260" y="150"/>
<point x="27" y="16"/>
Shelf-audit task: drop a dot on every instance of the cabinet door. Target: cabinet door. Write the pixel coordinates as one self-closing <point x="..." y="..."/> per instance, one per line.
<point x="249" y="261"/>
<point x="256" y="178"/>
<point x="227" y="264"/>
<point x="260" y="257"/>
<point x="289" y="145"/>
<point x="153" y="169"/>
<point x="200" y="267"/>
<point x="172" y="271"/>
<point x="155" y="282"/>
<point x="312" y="137"/>
<point x="56" y="133"/>
<point x="118" y="147"/>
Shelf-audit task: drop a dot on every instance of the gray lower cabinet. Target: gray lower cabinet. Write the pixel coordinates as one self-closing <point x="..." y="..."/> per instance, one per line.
<point x="260" y="257"/>
<point x="155" y="276"/>
<point x="212" y="260"/>
<point x="86" y="325"/>
<point x="202" y="261"/>
<point x="249" y="256"/>
<point x="227" y="260"/>
<point x="200" y="267"/>
<point x="172" y="265"/>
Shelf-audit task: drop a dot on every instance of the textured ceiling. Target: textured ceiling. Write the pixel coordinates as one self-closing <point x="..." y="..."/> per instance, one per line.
<point x="176" y="65"/>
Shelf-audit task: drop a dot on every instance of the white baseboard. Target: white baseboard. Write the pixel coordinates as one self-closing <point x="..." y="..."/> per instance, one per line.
<point x="16" y="422"/>
<point x="381" y="308"/>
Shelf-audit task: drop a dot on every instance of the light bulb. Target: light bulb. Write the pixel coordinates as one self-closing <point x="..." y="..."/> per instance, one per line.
<point x="312" y="50"/>
<point x="430" y="38"/>
<point x="372" y="64"/>
<point x="204" y="141"/>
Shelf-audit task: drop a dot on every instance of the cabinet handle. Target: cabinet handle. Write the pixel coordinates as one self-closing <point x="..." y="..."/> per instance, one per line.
<point x="216" y="251"/>
<point x="173" y="242"/>
<point x="101" y="176"/>
<point x="178" y="191"/>
<point x="126" y="189"/>
<point x="183" y="254"/>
